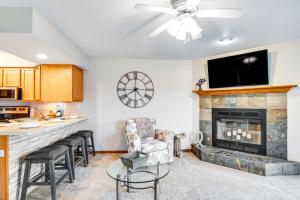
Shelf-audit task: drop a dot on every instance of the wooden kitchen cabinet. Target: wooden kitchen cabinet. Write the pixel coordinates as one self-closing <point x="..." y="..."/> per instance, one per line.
<point x="12" y="77"/>
<point x="37" y="83"/>
<point x="28" y="84"/>
<point x="1" y="77"/>
<point x="61" y="83"/>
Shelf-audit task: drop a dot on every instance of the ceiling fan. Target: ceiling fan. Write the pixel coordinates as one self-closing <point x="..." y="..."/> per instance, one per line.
<point x="183" y="25"/>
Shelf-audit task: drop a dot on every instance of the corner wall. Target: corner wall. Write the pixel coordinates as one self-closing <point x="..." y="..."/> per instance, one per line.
<point x="171" y="105"/>
<point x="284" y="68"/>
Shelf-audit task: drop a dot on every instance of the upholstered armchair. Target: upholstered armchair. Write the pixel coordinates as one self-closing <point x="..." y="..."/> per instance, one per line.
<point x="143" y="136"/>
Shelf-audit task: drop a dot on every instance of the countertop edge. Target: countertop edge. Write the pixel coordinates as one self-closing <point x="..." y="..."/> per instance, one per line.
<point x="52" y="127"/>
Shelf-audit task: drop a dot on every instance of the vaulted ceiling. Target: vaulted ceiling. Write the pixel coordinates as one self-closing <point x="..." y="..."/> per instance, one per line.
<point x="113" y="29"/>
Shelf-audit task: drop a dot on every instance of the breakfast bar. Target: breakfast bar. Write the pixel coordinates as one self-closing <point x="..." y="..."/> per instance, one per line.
<point x="17" y="142"/>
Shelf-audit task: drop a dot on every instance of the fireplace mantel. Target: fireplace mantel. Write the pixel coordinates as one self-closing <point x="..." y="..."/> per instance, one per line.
<point x="246" y="90"/>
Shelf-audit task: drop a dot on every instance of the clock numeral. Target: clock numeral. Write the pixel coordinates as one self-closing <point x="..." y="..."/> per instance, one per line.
<point x="122" y="82"/>
<point x="124" y="96"/>
<point x="149" y="89"/>
<point x="135" y="75"/>
<point x="121" y="89"/>
<point x="148" y="97"/>
<point x="143" y="77"/>
<point x="135" y="103"/>
<point x="147" y="82"/>
<point x="128" y="77"/>
<point x="128" y="102"/>
<point x="143" y="102"/>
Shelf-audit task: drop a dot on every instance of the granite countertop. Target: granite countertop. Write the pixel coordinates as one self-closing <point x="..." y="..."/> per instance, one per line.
<point x="10" y="129"/>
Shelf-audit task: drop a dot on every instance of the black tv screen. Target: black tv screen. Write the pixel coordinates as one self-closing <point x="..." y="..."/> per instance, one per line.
<point x="240" y="70"/>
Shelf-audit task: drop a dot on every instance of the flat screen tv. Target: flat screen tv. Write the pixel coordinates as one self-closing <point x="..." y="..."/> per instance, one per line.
<point x="240" y="70"/>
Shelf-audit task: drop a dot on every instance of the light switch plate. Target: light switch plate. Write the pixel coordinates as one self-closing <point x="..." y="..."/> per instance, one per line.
<point x="1" y="153"/>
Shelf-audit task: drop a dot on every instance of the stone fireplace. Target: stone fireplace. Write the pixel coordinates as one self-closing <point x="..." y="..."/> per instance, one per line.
<point x="239" y="129"/>
<point x="238" y="123"/>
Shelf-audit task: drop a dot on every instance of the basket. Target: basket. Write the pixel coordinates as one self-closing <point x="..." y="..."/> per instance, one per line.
<point x="134" y="159"/>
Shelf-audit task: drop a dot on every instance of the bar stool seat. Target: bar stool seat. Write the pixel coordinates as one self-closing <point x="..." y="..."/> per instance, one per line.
<point x="49" y="156"/>
<point x="48" y="153"/>
<point x="84" y="133"/>
<point x="73" y="143"/>
<point x="89" y="144"/>
<point x="70" y="141"/>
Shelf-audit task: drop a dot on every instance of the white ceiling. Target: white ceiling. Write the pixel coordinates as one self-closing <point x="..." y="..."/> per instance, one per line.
<point x="113" y="29"/>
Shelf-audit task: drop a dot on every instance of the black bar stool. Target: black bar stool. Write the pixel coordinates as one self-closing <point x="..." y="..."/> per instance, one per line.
<point x="89" y="146"/>
<point x="73" y="142"/>
<point x="49" y="156"/>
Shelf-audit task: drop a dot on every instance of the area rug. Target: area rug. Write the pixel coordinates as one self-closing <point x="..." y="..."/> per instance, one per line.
<point x="189" y="179"/>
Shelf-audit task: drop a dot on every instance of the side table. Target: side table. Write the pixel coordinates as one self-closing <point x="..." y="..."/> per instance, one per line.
<point x="177" y="144"/>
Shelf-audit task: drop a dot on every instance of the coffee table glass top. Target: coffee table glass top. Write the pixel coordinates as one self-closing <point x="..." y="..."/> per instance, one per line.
<point x="118" y="171"/>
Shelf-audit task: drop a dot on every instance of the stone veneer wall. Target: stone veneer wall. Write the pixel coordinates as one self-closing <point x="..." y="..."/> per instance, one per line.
<point x="276" y="105"/>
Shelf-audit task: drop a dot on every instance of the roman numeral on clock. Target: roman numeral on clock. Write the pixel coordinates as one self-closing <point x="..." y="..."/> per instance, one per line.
<point x="135" y="75"/>
<point x="121" y="89"/>
<point x="128" y="77"/>
<point x="124" y="96"/>
<point x="148" y="97"/>
<point x="135" y="103"/>
<point x="128" y="103"/>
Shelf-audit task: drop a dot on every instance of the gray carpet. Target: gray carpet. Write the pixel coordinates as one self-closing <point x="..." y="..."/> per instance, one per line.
<point x="189" y="179"/>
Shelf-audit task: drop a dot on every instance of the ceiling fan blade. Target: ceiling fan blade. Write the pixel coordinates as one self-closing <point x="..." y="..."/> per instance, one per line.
<point x="230" y="13"/>
<point x="161" y="9"/>
<point x="162" y="28"/>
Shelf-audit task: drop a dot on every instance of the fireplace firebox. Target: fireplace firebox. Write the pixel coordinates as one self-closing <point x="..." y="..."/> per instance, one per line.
<point x="239" y="129"/>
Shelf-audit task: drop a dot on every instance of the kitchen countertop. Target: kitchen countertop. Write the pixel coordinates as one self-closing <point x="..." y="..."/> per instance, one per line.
<point x="12" y="129"/>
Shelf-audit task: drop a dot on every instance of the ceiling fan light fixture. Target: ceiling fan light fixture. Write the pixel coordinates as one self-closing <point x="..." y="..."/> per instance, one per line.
<point x="186" y="28"/>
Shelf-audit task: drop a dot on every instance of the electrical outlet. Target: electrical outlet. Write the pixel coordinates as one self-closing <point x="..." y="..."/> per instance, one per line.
<point x="2" y="153"/>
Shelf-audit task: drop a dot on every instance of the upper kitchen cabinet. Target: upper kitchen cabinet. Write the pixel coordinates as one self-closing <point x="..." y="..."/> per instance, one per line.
<point x="1" y="77"/>
<point x="12" y="77"/>
<point x="28" y="84"/>
<point x="61" y="82"/>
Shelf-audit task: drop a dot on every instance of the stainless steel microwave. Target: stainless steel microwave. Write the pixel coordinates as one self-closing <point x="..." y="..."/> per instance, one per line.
<point x="11" y="93"/>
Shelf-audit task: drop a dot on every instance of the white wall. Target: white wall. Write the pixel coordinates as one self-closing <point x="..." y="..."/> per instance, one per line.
<point x="284" y="64"/>
<point x="10" y="60"/>
<point x="171" y="105"/>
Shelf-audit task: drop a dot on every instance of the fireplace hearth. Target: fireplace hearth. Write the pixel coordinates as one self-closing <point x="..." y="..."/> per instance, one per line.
<point x="239" y="129"/>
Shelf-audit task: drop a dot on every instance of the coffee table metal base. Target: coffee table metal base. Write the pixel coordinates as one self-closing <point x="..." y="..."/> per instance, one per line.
<point x="128" y="186"/>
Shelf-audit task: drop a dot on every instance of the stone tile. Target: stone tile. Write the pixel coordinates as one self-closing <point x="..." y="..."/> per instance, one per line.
<point x="256" y="168"/>
<point x="242" y="101"/>
<point x="230" y="101"/>
<point x="257" y="101"/>
<point x="277" y="149"/>
<point x="277" y="101"/>
<point x="274" y="115"/>
<point x="273" y="169"/>
<point x="290" y="168"/>
<point x="218" y="101"/>
<point x="277" y="139"/>
<point x="206" y="114"/>
<point x="205" y="102"/>
<point x="206" y="129"/>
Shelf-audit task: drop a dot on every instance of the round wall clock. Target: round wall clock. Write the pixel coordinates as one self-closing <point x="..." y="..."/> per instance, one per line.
<point x="135" y="89"/>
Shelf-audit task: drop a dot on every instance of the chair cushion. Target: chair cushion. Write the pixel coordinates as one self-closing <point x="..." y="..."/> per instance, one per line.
<point x="51" y="152"/>
<point x="84" y="133"/>
<point x="152" y="145"/>
<point x="145" y="127"/>
<point x="70" y="141"/>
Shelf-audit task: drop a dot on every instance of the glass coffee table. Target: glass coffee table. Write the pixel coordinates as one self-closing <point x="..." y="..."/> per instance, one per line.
<point x="141" y="178"/>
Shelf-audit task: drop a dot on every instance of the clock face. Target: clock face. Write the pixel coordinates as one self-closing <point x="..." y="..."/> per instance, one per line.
<point x="135" y="89"/>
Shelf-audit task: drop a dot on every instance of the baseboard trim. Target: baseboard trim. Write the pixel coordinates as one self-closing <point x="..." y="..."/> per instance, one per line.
<point x="112" y="151"/>
<point x="124" y="151"/>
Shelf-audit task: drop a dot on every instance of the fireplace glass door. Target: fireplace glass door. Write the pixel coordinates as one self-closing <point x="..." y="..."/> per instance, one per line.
<point x="239" y="130"/>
